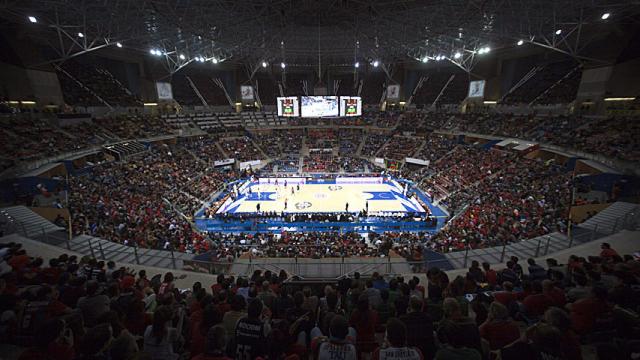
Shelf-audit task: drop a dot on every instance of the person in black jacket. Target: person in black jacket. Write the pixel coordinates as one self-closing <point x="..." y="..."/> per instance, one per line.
<point x="419" y="328"/>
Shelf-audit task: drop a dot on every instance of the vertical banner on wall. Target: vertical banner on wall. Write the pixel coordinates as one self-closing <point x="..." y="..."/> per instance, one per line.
<point x="164" y="91"/>
<point x="393" y="92"/>
<point x="246" y="93"/>
<point x="476" y="89"/>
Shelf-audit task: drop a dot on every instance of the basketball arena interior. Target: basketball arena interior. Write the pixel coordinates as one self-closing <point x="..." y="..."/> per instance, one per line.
<point x="339" y="179"/>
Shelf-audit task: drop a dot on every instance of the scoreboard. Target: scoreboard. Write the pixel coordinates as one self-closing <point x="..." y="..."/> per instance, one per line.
<point x="288" y="106"/>
<point x="350" y="106"/>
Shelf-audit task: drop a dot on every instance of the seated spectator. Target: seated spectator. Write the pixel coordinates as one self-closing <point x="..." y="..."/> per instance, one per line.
<point x="569" y="341"/>
<point x="467" y="334"/>
<point x="52" y="341"/>
<point x="490" y="275"/>
<point x="498" y="329"/>
<point x="252" y="332"/>
<point x="364" y="321"/>
<point x="454" y="346"/>
<point x="159" y="338"/>
<point x="338" y="344"/>
<point x="237" y="312"/>
<point x="215" y="345"/>
<point x="95" y="343"/>
<point x="540" y="341"/>
<point x="535" y="304"/>
<point x="476" y="273"/>
<point x="395" y="346"/>
<point x="555" y="294"/>
<point x="536" y="272"/>
<point x="419" y="325"/>
<point x="585" y="312"/>
<point x="385" y="308"/>
<point x="607" y="252"/>
<point x="94" y="304"/>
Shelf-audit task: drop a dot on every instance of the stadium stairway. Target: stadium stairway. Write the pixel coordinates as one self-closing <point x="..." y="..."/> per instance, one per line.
<point x="104" y="249"/>
<point x="618" y="216"/>
<point x="28" y="223"/>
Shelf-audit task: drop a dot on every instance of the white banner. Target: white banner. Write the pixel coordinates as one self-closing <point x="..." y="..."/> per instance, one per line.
<point x="223" y="162"/>
<point x="476" y="89"/>
<point x="249" y="164"/>
<point x="164" y="91"/>
<point x="281" y="180"/>
<point x="379" y="161"/>
<point x="359" y="180"/>
<point x="246" y="92"/>
<point x="393" y="92"/>
<point x="417" y="161"/>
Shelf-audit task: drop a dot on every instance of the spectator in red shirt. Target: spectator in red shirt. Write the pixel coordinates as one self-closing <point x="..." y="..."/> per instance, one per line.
<point x="490" y="275"/>
<point x="364" y="320"/>
<point x="498" y="329"/>
<point x="555" y="294"/>
<point x="52" y="341"/>
<point x="607" y="252"/>
<point x="537" y="303"/>
<point x="506" y="297"/>
<point x="585" y="312"/>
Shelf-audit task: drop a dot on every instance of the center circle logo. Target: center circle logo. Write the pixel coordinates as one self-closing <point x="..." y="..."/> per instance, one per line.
<point x="335" y="187"/>
<point x="303" y="205"/>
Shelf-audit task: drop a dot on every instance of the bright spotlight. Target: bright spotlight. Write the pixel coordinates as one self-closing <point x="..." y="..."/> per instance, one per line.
<point x="182" y="57"/>
<point x="264" y="64"/>
<point x="214" y="60"/>
<point x="520" y="42"/>
<point x="376" y="63"/>
<point x="357" y="64"/>
<point x="152" y="51"/>
<point x="559" y="31"/>
<point x="80" y="35"/>
<point x="283" y="65"/>
<point x="118" y="44"/>
<point x="425" y="59"/>
<point x="457" y="55"/>
<point x="32" y="19"/>
<point x="487" y="49"/>
<point x="605" y="16"/>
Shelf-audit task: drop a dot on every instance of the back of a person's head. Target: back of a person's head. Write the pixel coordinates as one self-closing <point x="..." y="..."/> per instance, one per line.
<point x="92" y="287"/>
<point x="168" y="277"/>
<point x="510" y="264"/>
<point x="339" y="327"/>
<point x="363" y="303"/>
<point x="486" y="266"/>
<point x="547" y="285"/>
<point x="384" y="295"/>
<point x="306" y="291"/>
<point x="220" y="279"/>
<point x="396" y="332"/>
<point x="557" y="317"/>
<point x="238" y="303"/>
<point x="356" y="275"/>
<point x="547" y="339"/>
<point x="580" y="279"/>
<point x="536" y="287"/>
<point x="605" y="246"/>
<point x="450" y="333"/>
<point x="298" y="298"/>
<point x="475" y="264"/>
<point x="369" y="283"/>
<point x="332" y="300"/>
<point x="450" y="307"/>
<point x="498" y="311"/>
<point x="254" y="309"/>
<point x="530" y="261"/>
<point x="95" y="340"/>
<point x="48" y="332"/>
<point x="216" y="340"/>
<point x="416" y="304"/>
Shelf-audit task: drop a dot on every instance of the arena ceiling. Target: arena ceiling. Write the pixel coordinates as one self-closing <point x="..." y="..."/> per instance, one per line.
<point x="313" y="32"/>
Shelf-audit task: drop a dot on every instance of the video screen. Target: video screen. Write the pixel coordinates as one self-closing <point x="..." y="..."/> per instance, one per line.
<point x="350" y="106"/>
<point x="319" y="106"/>
<point x="288" y="106"/>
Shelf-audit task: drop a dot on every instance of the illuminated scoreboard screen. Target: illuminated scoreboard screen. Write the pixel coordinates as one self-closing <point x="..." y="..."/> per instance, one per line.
<point x="288" y="106"/>
<point x="350" y="106"/>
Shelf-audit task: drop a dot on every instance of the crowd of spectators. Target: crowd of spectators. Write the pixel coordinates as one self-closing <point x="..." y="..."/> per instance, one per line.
<point x="319" y="161"/>
<point x="70" y="308"/>
<point x="241" y="149"/>
<point x="373" y="142"/>
<point x="135" y="203"/>
<point x="399" y="147"/>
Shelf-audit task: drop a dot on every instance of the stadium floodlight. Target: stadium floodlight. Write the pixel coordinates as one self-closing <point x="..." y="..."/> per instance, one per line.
<point x="559" y="31"/>
<point x="605" y="16"/>
<point x="520" y="42"/>
<point x="32" y="19"/>
<point x="457" y="55"/>
<point x="152" y="51"/>
<point x="376" y="63"/>
<point x="118" y="44"/>
<point x="214" y="60"/>
<point x="80" y="35"/>
<point x="182" y="57"/>
<point x="357" y="64"/>
<point x="264" y="64"/>
<point x="487" y="49"/>
<point x="425" y="59"/>
<point x="283" y="65"/>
